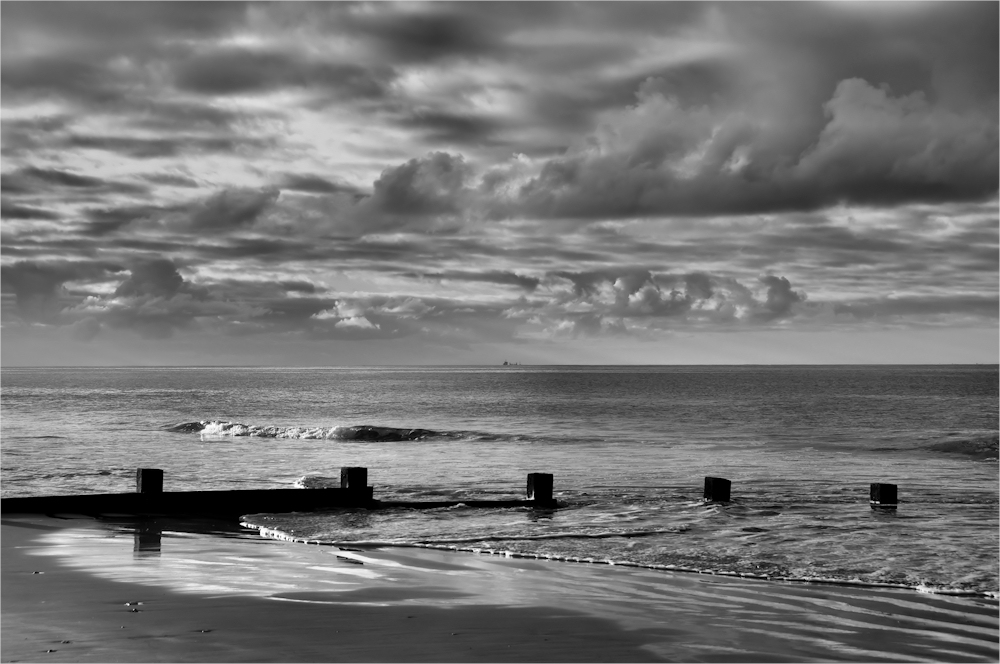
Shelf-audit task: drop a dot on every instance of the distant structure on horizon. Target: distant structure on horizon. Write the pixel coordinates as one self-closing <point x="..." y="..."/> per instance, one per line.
<point x="511" y="364"/>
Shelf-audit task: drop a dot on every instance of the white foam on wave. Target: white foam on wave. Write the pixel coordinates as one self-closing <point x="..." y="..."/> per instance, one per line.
<point x="218" y="428"/>
<point x="209" y="429"/>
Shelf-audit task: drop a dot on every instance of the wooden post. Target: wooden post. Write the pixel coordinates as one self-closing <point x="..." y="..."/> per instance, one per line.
<point x="540" y="487"/>
<point x="717" y="489"/>
<point x="353" y="478"/>
<point x="883" y="496"/>
<point x="148" y="480"/>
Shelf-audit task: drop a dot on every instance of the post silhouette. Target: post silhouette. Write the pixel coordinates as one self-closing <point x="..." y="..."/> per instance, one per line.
<point x="717" y="489"/>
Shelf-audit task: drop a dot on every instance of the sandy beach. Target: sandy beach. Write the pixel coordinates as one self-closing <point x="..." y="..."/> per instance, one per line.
<point x="75" y="589"/>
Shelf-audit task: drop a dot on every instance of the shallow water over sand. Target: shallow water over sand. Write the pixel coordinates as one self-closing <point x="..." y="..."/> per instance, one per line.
<point x="681" y="617"/>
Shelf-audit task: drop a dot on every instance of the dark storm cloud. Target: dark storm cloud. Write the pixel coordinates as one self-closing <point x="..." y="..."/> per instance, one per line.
<point x="102" y="25"/>
<point x="432" y="185"/>
<point x="274" y="250"/>
<point x="151" y="148"/>
<point x="425" y="35"/>
<point x="22" y="136"/>
<point x="187" y="116"/>
<point x="265" y="303"/>
<point x="876" y="149"/>
<point x="83" y="40"/>
<point x="154" y="301"/>
<point x="232" y="208"/>
<point x="222" y="211"/>
<point x="28" y="180"/>
<point x="98" y="55"/>
<point x="235" y="71"/>
<point x="780" y="297"/>
<point x="9" y="210"/>
<point x="109" y="220"/>
<point x="454" y="128"/>
<point x="44" y="76"/>
<point x="316" y="184"/>
<point x="156" y="278"/>
<point x="820" y="106"/>
<point x="33" y="180"/>
<point x="39" y="286"/>
<point x="190" y="131"/>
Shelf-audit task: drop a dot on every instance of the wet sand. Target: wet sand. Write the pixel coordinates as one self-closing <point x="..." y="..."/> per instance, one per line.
<point x="79" y="590"/>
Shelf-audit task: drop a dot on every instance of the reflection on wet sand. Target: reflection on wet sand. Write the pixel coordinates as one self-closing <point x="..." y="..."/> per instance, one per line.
<point x="147" y="540"/>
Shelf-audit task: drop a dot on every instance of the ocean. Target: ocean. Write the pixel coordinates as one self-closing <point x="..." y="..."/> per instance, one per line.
<point x="629" y="448"/>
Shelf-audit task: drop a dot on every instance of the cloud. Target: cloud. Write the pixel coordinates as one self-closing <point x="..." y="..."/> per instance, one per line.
<point x="463" y="173"/>
<point x="154" y="148"/>
<point x="637" y="301"/>
<point x="239" y="70"/>
<point x="154" y="301"/>
<point x="359" y="322"/>
<point x="929" y="308"/>
<point x="780" y="298"/>
<point x="34" y="180"/>
<point x="453" y="128"/>
<point x="155" y="278"/>
<point x="430" y="185"/>
<point x="493" y="277"/>
<point x="423" y="34"/>
<point x="881" y="149"/>
<point x="225" y="210"/>
<point x="661" y="158"/>
<point x="316" y="184"/>
<point x="298" y="286"/>
<point x="75" y="51"/>
<point x="232" y="208"/>
<point x="428" y="193"/>
<point x="108" y="220"/>
<point x="10" y="210"/>
<point x="39" y="286"/>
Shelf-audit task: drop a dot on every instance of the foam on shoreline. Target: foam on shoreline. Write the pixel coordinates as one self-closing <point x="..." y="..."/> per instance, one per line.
<point x="457" y="547"/>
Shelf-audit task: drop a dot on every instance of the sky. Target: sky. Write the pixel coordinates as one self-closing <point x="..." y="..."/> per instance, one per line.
<point x="313" y="184"/>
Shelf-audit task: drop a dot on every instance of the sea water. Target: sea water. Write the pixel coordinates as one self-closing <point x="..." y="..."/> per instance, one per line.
<point x="629" y="448"/>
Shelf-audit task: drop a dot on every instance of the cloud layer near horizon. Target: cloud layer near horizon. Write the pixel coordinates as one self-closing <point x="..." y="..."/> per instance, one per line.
<point x="465" y="174"/>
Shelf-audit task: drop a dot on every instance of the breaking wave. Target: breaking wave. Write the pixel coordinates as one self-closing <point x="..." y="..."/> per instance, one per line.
<point x="980" y="448"/>
<point x="359" y="432"/>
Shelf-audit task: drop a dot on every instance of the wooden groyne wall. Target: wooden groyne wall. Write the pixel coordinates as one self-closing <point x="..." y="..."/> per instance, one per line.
<point x="149" y="499"/>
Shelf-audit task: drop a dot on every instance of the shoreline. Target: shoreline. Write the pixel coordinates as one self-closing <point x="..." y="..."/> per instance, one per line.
<point x="270" y="533"/>
<point x="208" y="595"/>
